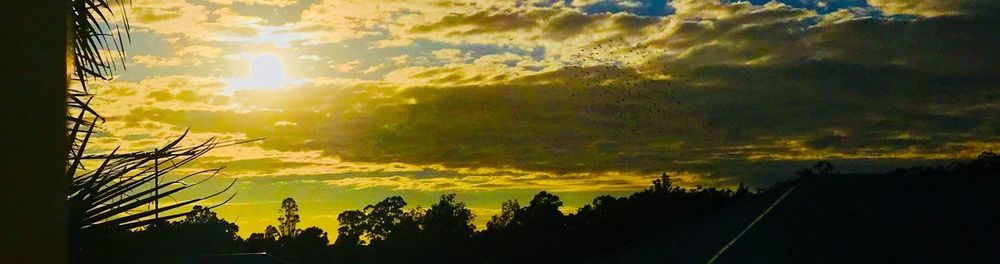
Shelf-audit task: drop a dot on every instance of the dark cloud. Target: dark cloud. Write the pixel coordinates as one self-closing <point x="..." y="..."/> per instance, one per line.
<point x="839" y="108"/>
<point x="951" y="44"/>
<point x="827" y="94"/>
<point x="754" y="93"/>
<point x="938" y="8"/>
<point x="255" y="166"/>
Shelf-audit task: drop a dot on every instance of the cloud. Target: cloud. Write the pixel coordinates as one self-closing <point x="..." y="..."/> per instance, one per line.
<point x="310" y="57"/>
<point x="277" y="3"/>
<point x="609" y="182"/>
<point x="937" y="8"/>
<point x="556" y="29"/>
<point x="944" y="44"/>
<point x="162" y="16"/>
<point x="193" y="55"/>
<point x="740" y="33"/>
<point x="399" y="60"/>
<point x="182" y="92"/>
<point x="549" y="95"/>
<point x="450" y="55"/>
<point x="394" y="42"/>
<point x="722" y="117"/>
<point x="335" y="21"/>
<point x="373" y="69"/>
<point x="488" y="69"/>
<point x="845" y="15"/>
<point x="347" y="66"/>
<point x="184" y="21"/>
<point x="400" y="23"/>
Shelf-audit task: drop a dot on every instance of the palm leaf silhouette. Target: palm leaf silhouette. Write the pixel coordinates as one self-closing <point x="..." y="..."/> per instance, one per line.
<point x="116" y="193"/>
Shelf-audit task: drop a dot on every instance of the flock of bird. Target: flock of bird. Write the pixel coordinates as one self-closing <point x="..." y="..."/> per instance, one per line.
<point x="617" y="92"/>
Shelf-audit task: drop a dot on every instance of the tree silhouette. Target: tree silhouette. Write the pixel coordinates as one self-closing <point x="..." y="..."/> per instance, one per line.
<point x="201" y="231"/>
<point x="443" y="233"/>
<point x="353" y="225"/>
<point x="405" y="240"/>
<point x="448" y="219"/>
<point x="507" y="211"/>
<point x="271" y="232"/>
<point x="200" y="215"/>
<point x="263" y="242"/>
<point x="308" y="246"/>
<point x="662" y="184"/>
<point x="986" y="161"/>
<point x="543" y="212"/>
<point x="742" y="191"/>
<point x="288" y="217"/>
<point x="382" y="216"/>
<point x="448" y="224"/>
<point x="820" y="168"/>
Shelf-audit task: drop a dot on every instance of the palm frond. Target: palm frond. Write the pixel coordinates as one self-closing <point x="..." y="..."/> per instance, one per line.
<point x="97" y="28"/>
<point x="121" y="184"/>
<point x="115" y="193"/>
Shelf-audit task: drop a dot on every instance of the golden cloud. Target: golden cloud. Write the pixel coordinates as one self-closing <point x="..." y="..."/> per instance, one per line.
<point x="277" y="3"/>
<point x="193" y="22"/>
<point x="193" y="55"/>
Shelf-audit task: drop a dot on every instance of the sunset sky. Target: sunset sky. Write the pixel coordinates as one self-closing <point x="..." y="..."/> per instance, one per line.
<point x="493" y="100"/>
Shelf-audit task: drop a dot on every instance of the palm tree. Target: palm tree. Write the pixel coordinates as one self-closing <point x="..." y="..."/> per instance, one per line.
<point x="47" y="125"/>
<point x="115" y="194"/>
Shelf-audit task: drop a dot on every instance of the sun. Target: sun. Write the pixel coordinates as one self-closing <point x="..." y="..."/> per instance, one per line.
<point x="267" y="71"/>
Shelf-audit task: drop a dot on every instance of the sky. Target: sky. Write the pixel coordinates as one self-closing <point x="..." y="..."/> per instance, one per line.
<point x="358" y="100"/>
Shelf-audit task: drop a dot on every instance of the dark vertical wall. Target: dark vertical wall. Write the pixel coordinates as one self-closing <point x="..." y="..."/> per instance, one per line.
<point x="33" y="139"/>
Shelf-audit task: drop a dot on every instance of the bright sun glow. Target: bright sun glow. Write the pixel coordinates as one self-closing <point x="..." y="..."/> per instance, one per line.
<point x="267" y="71"/>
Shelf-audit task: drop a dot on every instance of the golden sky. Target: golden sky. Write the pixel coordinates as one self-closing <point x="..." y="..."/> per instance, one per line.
<point x="362" y="99"/>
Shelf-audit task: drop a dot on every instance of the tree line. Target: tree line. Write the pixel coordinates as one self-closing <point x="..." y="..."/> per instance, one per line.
<point x="389" y="232"/>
